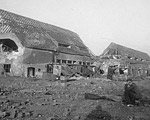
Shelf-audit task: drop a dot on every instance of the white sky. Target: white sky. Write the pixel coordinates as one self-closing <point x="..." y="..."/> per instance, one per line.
<point x="97" y="22"/>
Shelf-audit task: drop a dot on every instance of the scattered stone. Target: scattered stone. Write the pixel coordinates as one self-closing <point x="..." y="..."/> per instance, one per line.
<point x="77" y="117"/>
<point x="20" y="115"/>
<point x="2" y="114"/>
<point x="7" y="114"/>
<point x="55" y="98"/>
<point x="39" y="115"/>
<point x="13" y="113"/>
<point x="50" y="118"/>
<point x="66" y="112"/>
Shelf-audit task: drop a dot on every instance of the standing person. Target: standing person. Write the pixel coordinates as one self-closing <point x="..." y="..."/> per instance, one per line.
<point x="131" y="93"/>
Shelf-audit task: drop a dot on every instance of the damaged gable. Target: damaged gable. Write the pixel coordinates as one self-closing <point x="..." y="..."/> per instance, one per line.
<point x="36" y="34"/>
<point x="135" y="63"/>
<point x="118" y="51"/>
<point x="30" y="35"/>
<point x="29" y="46"/>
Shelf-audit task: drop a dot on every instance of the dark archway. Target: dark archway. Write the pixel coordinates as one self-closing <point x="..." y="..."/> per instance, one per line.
<point x="8" y="45"/>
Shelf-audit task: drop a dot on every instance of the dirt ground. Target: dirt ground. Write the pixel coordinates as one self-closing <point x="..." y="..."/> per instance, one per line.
<point x="32" y="99"/>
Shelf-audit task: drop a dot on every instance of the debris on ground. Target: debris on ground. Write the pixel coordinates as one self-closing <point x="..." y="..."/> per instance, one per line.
<point x="72" y="99"/>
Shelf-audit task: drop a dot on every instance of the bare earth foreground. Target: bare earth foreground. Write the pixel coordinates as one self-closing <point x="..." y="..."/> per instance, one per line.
<point x="31" y="99"/>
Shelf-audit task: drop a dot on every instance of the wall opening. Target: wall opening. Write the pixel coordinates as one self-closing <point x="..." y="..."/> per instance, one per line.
<point x="69" y="61"/>
<point x="121" y="71"/>
<point x="49" y="68"/>
<point x="64" y="61"/>
<point x="80" y="63"/>
<point x="31" y="72"/>
<point x="7" y="68"/>
<point x="58" y="61"/>
<point x="148" y="72"/>
<point x="8" y="45"/>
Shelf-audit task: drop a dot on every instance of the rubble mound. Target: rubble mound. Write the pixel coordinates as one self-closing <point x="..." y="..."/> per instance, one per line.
<point x="81" y="99"/>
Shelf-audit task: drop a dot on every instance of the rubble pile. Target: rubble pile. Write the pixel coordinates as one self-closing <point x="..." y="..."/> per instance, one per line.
<point x="44" y="99"/>
<point x="58" y="100"/>
<point x="77" y="71"/>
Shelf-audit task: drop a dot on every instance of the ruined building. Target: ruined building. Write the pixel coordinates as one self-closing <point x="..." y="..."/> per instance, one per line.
<point x="136" y="62"/>
<point x="28" y="46"/>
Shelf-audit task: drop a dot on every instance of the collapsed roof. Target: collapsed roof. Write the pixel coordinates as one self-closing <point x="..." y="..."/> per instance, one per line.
<point x="116" y="49"/>
<point x="39" y="35"/>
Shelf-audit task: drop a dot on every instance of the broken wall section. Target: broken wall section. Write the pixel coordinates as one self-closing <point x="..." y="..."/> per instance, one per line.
<point x="11" y="55"/>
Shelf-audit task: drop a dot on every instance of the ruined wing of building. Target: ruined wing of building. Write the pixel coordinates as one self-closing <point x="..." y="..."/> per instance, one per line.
<point x="28" y="46"/>
<point x="137" y="62"/>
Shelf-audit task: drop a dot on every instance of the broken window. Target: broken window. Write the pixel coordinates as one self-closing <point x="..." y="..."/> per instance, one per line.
<point x="69" y="62"/>
<point x="82" y="48"/>
<point x="136" y="59"/>
<point x="58" y="61"/>
<point x="139" y="71"/>
<point x="88" y="63"/>
<point x="148" y="72"/>
<point x="74" y="62"/>
<point x="129" y="57"/>
<point x="91" y="63"/>
<point x="80" y="63"/>
<point x="121" y="71"/>
<point x="7" y="67"/>
<point x="143" y="60"/>
<point x="64" y="61"/>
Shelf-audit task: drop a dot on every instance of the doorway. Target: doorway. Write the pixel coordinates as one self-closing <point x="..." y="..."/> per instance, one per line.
<point x="31" y="72"/>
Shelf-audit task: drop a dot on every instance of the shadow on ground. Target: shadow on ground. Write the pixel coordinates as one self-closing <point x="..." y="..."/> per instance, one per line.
<point x="98" y="114"/>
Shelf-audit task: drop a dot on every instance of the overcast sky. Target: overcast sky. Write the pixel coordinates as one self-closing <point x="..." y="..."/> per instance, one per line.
<point x="97" y="22"/>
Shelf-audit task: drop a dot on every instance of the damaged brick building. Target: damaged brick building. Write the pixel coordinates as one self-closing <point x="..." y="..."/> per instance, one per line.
<point x="29" y="46"/>
<point x="137" y="63"/>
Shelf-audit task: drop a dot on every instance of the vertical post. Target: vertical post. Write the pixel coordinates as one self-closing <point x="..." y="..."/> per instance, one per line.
<point x="54" y="57"/>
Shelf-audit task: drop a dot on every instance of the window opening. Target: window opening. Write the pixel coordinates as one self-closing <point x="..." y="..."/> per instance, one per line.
<point x="58" y="61"/>
<point x="83" y="63"/>
<point x="69" y="62"/>
<point x="88" y="63"/>
<point x="121" y="71"/>
<point x="74" y="62"/>
<point x="63" y="61"/>
<point x="7" y="67"/>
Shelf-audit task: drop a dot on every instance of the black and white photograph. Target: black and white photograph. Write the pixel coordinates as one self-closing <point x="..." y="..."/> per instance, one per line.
<point x="74" y="59"/>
